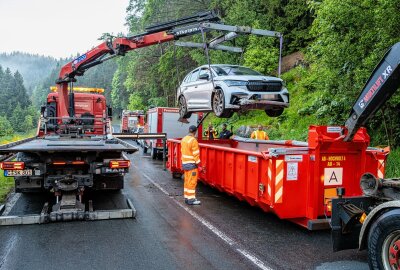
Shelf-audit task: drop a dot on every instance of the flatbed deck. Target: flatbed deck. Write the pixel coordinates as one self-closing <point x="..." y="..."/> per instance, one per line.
<point x="67" y="145"/>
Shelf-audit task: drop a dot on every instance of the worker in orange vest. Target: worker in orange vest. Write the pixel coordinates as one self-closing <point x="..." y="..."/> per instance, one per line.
<point x="259" y="134"/>
<point x="210" y="133"/>
<point x="190" y="162"/>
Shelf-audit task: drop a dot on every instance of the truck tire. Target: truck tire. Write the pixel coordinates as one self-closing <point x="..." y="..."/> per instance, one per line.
<point x="218" y="105"/>
<point x="154" y="153"/>
<point x="176" y="175"/>
<point x="384" y="242"/>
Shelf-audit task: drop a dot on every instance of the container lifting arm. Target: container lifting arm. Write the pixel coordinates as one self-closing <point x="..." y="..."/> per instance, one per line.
<point x="382" y="84"/>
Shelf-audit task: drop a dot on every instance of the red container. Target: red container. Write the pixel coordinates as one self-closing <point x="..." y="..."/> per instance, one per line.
<point x="294" y="180"/>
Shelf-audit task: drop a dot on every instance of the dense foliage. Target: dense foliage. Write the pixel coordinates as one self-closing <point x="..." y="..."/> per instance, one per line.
<point x="17" y="113"/>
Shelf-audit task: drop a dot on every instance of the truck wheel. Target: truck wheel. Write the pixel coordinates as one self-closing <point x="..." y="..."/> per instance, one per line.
<point x="183" y="110"/>
<point x="154" y="153"/>
<point x="274" y="112"/>
<point x="384" y="242"/>
<point x="176" y="175"/>
<point x="218" y="105"/>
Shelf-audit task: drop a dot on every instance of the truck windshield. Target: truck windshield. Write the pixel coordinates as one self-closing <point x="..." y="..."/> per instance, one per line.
<point x="234" y="70"/>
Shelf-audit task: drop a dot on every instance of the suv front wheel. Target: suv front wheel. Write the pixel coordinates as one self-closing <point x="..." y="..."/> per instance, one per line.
<point x="218" y="105"/>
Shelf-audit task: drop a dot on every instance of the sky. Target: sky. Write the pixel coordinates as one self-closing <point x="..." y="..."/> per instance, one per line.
<point x="58" y="28"/>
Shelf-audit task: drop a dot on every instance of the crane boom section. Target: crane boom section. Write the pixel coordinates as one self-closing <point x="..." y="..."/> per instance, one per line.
<point x="382" y="84"/>
<point x="119" y="46"/>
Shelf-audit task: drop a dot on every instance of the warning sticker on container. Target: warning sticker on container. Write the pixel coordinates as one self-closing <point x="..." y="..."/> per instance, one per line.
<point x="334" y="129"/>
<point x="292" y="171"/>
<point x="333" y="176"/>
<point x="252" y="159"/>
<point x="298" y="158"/>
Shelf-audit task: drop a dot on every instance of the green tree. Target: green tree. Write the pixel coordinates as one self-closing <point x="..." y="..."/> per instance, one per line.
<point x="5" y="127"/>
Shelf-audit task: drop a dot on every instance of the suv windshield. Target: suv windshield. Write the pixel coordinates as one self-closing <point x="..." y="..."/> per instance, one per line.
<point x="234" y="70"/>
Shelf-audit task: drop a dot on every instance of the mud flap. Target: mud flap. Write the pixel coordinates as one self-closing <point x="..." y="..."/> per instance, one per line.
<point x="345" y="227"/>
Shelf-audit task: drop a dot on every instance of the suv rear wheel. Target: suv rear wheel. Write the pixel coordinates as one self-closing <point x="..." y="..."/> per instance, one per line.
<point x="183" y="110"/>
<point x="218" y="105"/>
<point x="274" y="112"/>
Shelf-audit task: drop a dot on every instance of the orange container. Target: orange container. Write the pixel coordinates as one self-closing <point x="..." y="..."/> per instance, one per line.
<point x="294" y="180"/>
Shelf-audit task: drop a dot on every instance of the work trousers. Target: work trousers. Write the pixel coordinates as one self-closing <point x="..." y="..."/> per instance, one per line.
<point x="190" y="183"/>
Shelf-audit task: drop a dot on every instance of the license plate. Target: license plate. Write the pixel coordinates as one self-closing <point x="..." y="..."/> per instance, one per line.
<point x="9" y="173"/>
<point x="269" y="97"/>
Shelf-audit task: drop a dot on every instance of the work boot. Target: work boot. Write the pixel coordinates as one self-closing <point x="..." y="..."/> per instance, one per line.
<point x="192" y="202"/>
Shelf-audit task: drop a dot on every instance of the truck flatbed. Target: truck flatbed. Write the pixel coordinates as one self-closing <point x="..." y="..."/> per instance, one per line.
<point x="67" y="145"/>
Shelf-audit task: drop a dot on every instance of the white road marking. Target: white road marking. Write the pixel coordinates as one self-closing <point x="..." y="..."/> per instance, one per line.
<point x="10" y="204"/>
<point x="214" y="229"/>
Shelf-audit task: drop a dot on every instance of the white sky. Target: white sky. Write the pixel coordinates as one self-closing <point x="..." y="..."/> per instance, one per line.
<point x="58" y="28"/>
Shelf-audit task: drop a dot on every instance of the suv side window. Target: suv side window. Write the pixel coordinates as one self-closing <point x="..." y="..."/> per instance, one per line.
<point x="195" y="75"/>
<point x="187" y="78"/>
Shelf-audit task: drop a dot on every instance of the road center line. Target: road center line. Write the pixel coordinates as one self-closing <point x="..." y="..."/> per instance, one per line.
<point x="214" y="229"/>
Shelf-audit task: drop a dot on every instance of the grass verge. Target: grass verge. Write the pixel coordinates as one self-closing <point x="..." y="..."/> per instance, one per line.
<point x="6" y="184"/>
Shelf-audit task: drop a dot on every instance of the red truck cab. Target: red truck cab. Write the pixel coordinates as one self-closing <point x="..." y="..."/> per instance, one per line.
<point x="131" y="120"/>
<point x="90" y="111"/>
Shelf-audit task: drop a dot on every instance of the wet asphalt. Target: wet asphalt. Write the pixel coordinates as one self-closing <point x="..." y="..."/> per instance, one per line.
<point x="222" y="233"/>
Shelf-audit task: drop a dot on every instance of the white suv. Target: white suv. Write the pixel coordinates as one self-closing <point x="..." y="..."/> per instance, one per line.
<point x="235" y="88"/>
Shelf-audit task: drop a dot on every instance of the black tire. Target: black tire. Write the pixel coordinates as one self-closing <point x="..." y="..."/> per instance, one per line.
<point x="144" y="149"/>
<point x="154" y="153"/>
<point x="218" y="105"/>
<point x="274" y="112"/>
<point x="176" y="175"/>
<point x="384" y="234"/>
<point x="183" y="110"/>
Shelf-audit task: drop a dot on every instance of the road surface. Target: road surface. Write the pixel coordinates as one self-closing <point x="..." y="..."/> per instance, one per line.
<point x="222" y="233"/>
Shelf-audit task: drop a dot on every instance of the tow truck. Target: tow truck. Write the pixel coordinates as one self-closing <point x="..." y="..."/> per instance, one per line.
<point x="371" y="221"/>
<point x="75" y="150"/>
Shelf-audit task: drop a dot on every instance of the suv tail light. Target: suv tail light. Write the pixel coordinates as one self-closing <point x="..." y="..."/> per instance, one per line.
<point x="117" y="164"/>
<point x="12" y="165"/>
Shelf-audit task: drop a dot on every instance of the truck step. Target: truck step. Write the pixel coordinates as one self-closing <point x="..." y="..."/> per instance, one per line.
<point x="74" y="214"/>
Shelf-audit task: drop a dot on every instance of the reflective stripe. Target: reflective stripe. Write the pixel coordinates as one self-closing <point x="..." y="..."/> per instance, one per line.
<point x="189" y="190"/>
<point x="196" y="152"/>
<point x="187" y="162"/>
<point x="190" y="140"/>
<point x="197" y="162"/>
<point x="190" y="197"/>
<point x="187" y="156"/>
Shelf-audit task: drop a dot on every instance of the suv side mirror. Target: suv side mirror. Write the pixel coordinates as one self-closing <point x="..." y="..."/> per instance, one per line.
<point x="204" y="76"/>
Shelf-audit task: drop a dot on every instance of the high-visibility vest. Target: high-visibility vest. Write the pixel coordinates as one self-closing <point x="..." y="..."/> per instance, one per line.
<point x="259" y="135"/>
<point x="190" y="152"/>
<point x="211" y="134"/>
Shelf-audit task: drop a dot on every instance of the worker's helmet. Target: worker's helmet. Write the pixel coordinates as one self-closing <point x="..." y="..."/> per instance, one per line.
<point x="192" y="129"/>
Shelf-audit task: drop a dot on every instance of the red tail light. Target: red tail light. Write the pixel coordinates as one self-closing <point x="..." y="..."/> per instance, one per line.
<point x="117" y="164"/>
<point x="59" y="163"/>
<point x="11" y="165"/>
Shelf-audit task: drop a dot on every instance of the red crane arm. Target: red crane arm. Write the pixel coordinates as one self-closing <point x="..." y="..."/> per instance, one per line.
<point x="96" y="56"/>
<point x="155" y="34"/>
